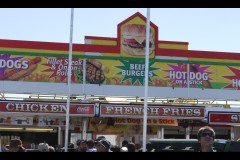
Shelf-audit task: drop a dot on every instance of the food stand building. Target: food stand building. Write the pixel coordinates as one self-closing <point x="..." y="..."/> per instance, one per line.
<point x="114" y="67"/>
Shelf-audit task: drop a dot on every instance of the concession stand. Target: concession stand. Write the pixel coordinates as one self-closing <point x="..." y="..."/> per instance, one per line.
<point x="158" y="117"/>
<point x="45" y="117"/>
<point x="115" y="67"/>
<point x="229" y="118"/>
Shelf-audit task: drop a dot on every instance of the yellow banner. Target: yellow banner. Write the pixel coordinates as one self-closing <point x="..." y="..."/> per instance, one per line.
<point x="139" y="121"/>
<point x="118" y="72"/>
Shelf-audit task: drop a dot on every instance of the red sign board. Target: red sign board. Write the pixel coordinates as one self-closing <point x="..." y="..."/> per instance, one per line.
<point x="136" y="111"/>
<point x="47" y="108"/>
<point x="224" y="118"/>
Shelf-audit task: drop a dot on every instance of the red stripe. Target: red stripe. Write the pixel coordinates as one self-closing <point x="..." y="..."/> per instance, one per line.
<point x="115" y="49"/>
<point x="34" y="45"/>
<point x="172" y="42"/>
<point x="101" y="38"/>
<point x="98" y="48"/>
<point x="197" y="54"/>
<point x="58" y="46"/>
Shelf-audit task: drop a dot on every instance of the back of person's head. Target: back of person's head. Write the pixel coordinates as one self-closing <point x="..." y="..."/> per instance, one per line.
<point x="78" y="142"/>
<point x="137" y="147"/>
<point x="125" y="143"/>
<point x="71" y="147"/>
<point x="90" y="143"/>
<point x="51" y="149"/>
<point x="203" y="129"/>
<point x="124" y="149"/>
<point x="100" y="138"/>
<point x="115" y="148"/>
<point x="105" y="144"/>
<point x="15" y="145"/>
<point x="21" y="148"/>
<point x="131" y="147"/>
<point x="149" y="147"/>
<point x="43" y="147"/>
<point x="82" y="146"/>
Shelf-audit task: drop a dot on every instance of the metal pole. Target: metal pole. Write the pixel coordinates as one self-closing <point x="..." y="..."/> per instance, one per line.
<point x="146" y="81"/>
<point x="84" y="131"/>
<point x="60" y="135"/>
<point x="84" y="77"/>
<point x="69" y="81"/>
<point x="188" y="79"/>
<point x="160" y="132"/>
<point x="0" y="143"/>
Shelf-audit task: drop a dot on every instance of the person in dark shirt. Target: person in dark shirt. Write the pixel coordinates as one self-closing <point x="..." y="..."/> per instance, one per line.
<point x="206" y="136"/>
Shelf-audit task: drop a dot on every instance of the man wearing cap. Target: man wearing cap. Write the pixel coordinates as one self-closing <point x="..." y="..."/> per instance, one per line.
<point x="103" y="146"/>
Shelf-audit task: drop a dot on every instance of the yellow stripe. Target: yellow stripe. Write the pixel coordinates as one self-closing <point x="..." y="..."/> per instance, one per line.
<point x="215" y="60"/>
<point x="51" y="51"/>
<point x="173" y="46"/>
<point x="40" y="50"/>
<point x="103" y="42"/>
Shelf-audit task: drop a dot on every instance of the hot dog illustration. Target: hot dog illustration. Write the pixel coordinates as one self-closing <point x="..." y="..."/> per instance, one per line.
<point x="193" y="69"/>
<point x="18" y="73"/>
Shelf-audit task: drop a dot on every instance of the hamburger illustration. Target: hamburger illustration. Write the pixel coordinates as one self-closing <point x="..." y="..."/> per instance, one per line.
<point x="134" y="39"/>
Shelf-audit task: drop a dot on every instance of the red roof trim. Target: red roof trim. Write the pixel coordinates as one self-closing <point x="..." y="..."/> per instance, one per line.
<point x="33" y="45"/>
<point x="101" y="38"/>
<point x="58" y="46"/>
<point x="115" y="49"/>
<point x="98" y="48"/>
<point x="172" y="42"/>
<point x="197" y="54"/>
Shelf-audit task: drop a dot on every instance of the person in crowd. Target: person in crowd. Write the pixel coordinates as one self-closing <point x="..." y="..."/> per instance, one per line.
<point x="58" y="148"/>
<point x="138" y="147"/>
<point x="82" y="146"/>
<point x="90" y="146"/>
<point x="5" y="148"/>
<point x="149" y="148"/>
<point x="206" y="136"/>
<point x="124" y="146"/>
<point x="51" y="149"/>
<point x="115" y="148"/>
<point x="16" y="146"/>
<point x="131" y="147"/>
<point x="70" y="147"/>
<point x="123" y="149"/>
<point x="100" y="138"/>
<point x="43" y="147"/>
<point x="103" y="146"/>
<point x="21" y="148"/>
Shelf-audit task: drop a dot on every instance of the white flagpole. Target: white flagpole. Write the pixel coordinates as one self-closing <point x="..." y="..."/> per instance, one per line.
<point x="69" y="81"/>
<point x="146" y="81"/>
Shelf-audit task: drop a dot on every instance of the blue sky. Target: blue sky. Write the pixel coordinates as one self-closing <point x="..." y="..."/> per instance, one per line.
<point x="208" y="29"/>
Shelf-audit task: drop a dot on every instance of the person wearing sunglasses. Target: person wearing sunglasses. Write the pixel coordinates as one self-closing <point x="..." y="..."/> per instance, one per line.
<point x="206" y="136"/>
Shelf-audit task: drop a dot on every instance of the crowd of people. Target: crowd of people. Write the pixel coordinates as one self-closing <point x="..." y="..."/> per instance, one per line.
<point x="205" y="136"/>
